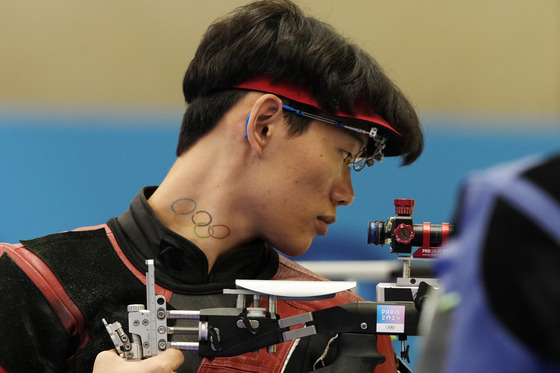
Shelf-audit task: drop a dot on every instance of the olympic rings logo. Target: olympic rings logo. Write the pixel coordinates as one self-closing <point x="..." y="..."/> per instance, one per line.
<point x="185" y="207"/>
<point x="390" y="327"/>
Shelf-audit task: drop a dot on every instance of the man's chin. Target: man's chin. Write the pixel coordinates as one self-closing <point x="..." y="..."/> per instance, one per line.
<point x="293" y="251"/>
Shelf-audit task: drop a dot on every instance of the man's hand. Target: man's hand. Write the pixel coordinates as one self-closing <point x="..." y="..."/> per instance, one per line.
<point x="110" y="362"/>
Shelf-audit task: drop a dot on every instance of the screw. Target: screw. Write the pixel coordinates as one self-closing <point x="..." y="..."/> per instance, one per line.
<point x="161" y="330"/>
<point x="145" y="322"/>
<point x="161" y="313"/>
<point x="136" y="323"/>
<point x="363" y="326"/>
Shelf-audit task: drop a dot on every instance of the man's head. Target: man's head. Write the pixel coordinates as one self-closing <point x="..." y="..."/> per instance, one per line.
<point x="307" y="101"/>
<point x="275" y="41"/>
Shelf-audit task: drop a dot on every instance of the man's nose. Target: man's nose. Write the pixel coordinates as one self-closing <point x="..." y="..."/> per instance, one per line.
<point x="343" y="192"/>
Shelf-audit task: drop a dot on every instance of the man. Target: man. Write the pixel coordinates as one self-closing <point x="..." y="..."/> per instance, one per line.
<point x="280" y="109"/>
<point x="499" y="311"/>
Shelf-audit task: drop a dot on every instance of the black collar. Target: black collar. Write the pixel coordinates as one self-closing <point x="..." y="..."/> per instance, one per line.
<point x="180" y="265"/>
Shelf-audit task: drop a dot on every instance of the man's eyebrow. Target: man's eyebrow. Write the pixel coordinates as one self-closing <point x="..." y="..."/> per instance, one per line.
<point x="361" y="138"/>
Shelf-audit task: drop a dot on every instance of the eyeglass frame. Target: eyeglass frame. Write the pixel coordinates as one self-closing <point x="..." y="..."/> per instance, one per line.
<point x="360" y="160"/>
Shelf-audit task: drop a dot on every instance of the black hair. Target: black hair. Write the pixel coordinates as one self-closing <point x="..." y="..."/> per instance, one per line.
<point x="275" y="39"/>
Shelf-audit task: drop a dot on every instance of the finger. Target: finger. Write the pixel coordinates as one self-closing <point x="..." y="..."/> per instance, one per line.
<point x="106" y="360"/>
<point x="168" y="361"/>
<point x="174" y="357"/>
<point x="108" y="355"/>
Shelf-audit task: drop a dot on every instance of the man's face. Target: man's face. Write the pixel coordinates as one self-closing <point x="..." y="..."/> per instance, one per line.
<point x="308" y="178"/>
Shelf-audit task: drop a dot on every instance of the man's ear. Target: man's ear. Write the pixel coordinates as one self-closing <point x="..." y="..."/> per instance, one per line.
<point x="264" y="121"/>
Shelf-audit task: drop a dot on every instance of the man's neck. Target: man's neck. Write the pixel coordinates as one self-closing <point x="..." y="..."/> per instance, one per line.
<point x="203" y="206"/>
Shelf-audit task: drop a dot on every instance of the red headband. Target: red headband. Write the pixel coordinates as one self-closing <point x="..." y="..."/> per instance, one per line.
<point x="295" y="93"/>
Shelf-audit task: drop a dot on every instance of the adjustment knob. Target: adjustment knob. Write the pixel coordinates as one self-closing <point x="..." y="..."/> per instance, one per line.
<point x="404" y="206"/>
<point x="135" y="307"/>
<point x="404" y="234"/>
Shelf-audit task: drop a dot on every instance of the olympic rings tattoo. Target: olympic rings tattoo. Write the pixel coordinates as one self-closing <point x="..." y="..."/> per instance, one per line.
<point x="202" y="224"/>
<point x="187" y="206"/>
<point x="179" y="201"/>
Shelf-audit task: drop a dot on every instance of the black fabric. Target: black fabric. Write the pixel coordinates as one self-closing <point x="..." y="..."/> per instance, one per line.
<point x="102" y="286"/>
<point x="95" y="278"/>
<point x="521" y="277"/>
<point x="26" y="343"/>
<point x="547" y="177"/>
<point x="180" y="265"/>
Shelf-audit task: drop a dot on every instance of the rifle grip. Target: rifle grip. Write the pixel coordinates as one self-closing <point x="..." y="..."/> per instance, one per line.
<point x="358" y="351"/>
